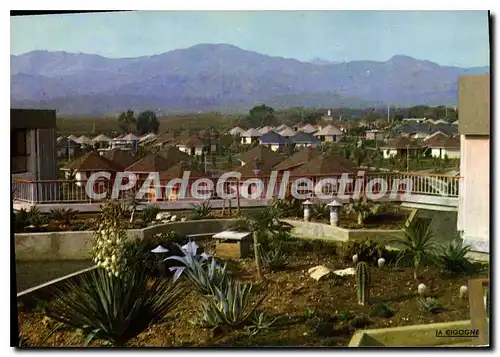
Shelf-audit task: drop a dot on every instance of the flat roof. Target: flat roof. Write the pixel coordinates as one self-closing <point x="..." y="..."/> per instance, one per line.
<point x="32" y="119"/>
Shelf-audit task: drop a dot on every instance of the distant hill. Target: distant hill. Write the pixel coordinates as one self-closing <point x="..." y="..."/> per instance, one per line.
<point x="222" y="77"/>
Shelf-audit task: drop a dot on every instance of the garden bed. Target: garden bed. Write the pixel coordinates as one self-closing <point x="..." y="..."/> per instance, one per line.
<point x="312" y="313"/>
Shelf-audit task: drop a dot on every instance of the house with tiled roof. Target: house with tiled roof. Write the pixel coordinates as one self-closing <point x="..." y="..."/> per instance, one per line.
<point x="86" y="165"/>
<point x="101" y="141"/>
<point x="261" y="154"/>
<point x="250" y="136"/>
<point x="150" y="163"/>
<point x="442" y="146"/>
<point x="287" y="132"/>
<point x="303" y="139"/>
<point x="375" y="134"/>
<point x="170" y="192"/>
<point x="273" y="140"/>
<point x="308" y="128"/>
<point x="67" y="148"/>
<point x="125" y="142"/>
<point x="164" y="139"/>
<point x="173" y="155"/>
<point x="299" y="158"/>
<point x="236" y="131"/>
<point x="401" y="146"/>
<point x="147" y="138"/>
<point x="329" y="133"/>
<point x="265" y="129"/>
<point x="192" y="145"/>
<point x="326" y="164"/>
<point x="122" y="159"/>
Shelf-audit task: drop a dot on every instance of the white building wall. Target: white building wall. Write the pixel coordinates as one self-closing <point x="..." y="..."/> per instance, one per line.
<point x="473" y="203"/>
<point x="389" y="153"/>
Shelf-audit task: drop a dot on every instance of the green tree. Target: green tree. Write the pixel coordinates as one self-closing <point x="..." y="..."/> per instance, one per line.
<point x="261" y="115"/>
<point x="147" y="122"/>
<point x="126" y="121"/>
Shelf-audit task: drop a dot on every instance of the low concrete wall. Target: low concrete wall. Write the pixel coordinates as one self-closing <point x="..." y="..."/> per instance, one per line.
<point x="413" y="335"/>
<point x="304" y="229"/>
<point x="77" y="245"/>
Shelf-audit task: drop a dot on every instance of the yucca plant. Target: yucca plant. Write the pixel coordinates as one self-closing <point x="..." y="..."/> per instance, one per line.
<point x="202" y="210"/>
<point x="453" y="257"/>
<point x="110" y="308"/>
<point x="229" y="306"/>
<point x="417" y="245"/>
<point x="202" y="271"/>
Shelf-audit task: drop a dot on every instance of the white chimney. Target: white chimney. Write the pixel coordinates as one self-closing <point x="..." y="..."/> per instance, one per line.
<point x="329" y="113"/>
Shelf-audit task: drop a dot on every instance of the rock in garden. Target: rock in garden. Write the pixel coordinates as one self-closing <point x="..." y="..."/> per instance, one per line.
<point x="344" y="272"/>
<point x="463" y="292"/>
<point x="173" y="218"/>
<point x="422" y="289"/>
<point x="381" y="262"/>
<point x="355" y="259"/>
<point x="319" y="272"/>
<point x="183" y="219"/>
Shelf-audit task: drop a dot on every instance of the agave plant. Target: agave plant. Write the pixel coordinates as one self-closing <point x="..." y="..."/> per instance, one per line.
<point x="113" y="309"/>
<point x="430" y="304"/>
<point x="228" y="306"/>
<point x="260" y="322"/>
<point x="202" y="210"/>
<point x="417" y="245"/>
<point x="453" y="257"/>
<point x="203" y="271"/>
<point x="274" y="259"/>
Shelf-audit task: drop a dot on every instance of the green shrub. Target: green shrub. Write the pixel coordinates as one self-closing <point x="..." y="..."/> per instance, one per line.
<point x="360" y="321"/>
<point x="380" y="310"/>
<point x="368" y="251"/>
<point x="289" y="207"/>
<point x="453" y="257"/>
<point x="21" y="220"/>
<point x="138" y="254"/>
<point x="63" y="215"/>
<point x="320" y="211"/>
<point x="113" y="309"/>
<point x="148" y="214"/>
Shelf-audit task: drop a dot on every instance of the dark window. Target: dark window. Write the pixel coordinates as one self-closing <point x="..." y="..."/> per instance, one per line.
<point x="19" y="151"/>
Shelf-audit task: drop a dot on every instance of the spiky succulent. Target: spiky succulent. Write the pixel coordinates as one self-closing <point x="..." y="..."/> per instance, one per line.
<point x="203" y="271"/>
<point x="228" y="306"/>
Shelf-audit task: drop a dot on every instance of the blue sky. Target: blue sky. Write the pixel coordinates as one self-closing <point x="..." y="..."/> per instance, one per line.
<point x="456" y="38"/>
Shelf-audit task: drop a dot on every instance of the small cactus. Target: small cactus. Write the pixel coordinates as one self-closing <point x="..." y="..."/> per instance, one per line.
<point x="422" y="289"/>
<point x="363" y="283"/>
<point x="463" y="292"/>
<point x="355" y="259"/>
<point x="381" y="262"/>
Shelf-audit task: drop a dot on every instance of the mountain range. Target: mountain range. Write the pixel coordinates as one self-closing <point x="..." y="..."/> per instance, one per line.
<point x="221" y="77"/>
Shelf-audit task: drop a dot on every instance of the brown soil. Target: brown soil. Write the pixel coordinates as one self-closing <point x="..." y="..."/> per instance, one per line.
<point x="311" y="312"/>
